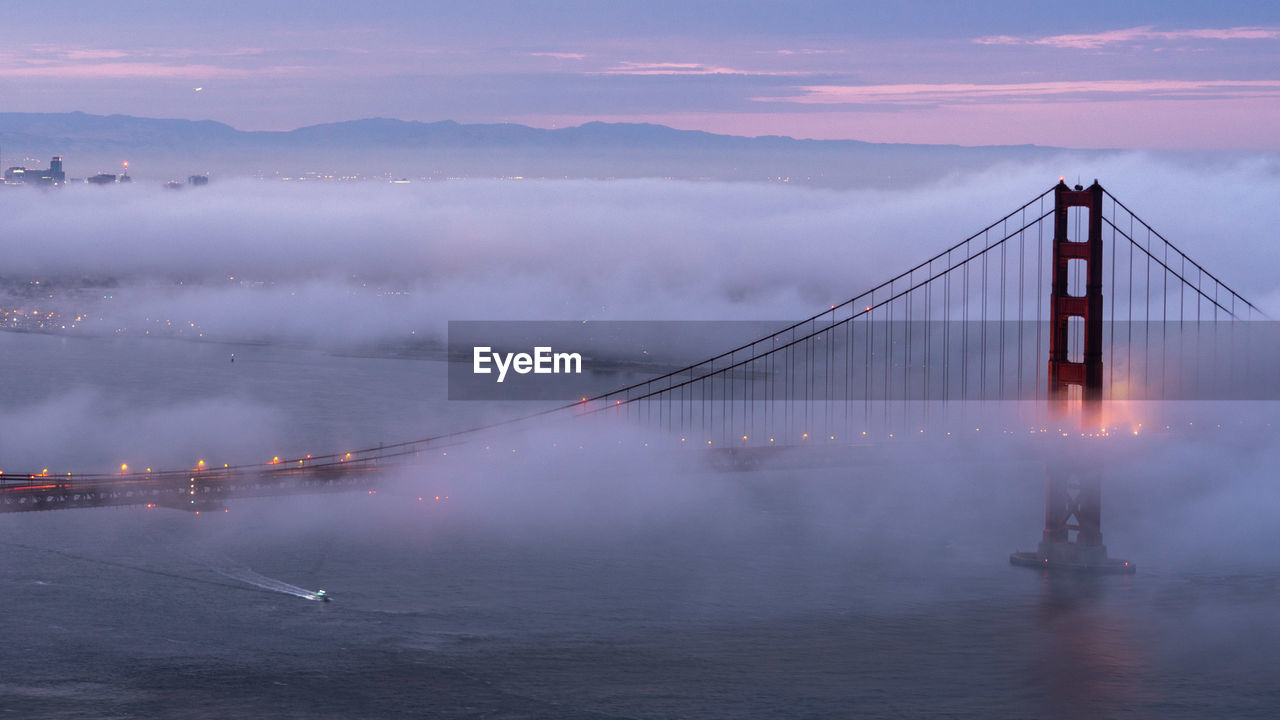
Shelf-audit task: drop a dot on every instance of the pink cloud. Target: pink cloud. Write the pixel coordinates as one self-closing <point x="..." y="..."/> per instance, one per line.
<point x="674" y="68"/>
<point x="804" y="51"/>
<point x="126" y="70"/>
<point x="999" y="40"/>
<point x="190" y="53"/>
<point x="964" y="93"/>
<point x="123" y="61"/>
<point x="559" y="55"/>
<point x="94" y="54"/>
<point x="1093" y="41"/>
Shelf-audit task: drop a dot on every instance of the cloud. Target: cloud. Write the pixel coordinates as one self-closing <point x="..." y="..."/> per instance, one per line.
<point x="57" y="53"/>
<point x="804" y="51"/>
<point x="1093" y="41"/>
<point x="1064" y="91"/>
<point x="559" y="55"/>
<point x="125" y="70"/>
<point x="53" y="62"/>
<point x="79" y="55"/>
<point x="683" y="68"/>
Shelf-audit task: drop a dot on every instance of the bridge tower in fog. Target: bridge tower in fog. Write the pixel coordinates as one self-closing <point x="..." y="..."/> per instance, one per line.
<point x="1073" y="484"/>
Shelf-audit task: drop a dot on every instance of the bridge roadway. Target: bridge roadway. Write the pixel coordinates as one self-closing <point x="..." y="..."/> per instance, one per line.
<point x="200" y="490"/>
<point x="209" y="489"/>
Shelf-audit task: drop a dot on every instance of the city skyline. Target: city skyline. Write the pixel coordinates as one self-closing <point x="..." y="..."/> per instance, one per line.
<point x="1141" y="75"/>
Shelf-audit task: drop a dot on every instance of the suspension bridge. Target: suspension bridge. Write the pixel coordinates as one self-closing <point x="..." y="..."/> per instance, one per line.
<point x="1067" y="307"/>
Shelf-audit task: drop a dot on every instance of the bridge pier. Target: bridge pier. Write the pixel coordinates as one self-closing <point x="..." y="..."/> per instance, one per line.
<point x="1073" y="485"/>
<point x="1072" y="538"/>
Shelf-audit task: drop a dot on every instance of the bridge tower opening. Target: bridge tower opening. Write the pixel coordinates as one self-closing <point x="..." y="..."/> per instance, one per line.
<point x="1073" y="481"/>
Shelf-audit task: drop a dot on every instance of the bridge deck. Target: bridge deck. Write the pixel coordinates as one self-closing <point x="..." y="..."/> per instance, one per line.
<point x="195" y="491"/>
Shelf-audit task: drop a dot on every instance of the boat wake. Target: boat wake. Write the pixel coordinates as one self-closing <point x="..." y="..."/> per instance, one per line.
<point x="228" y="569"/>
<point x="245" y="575"/>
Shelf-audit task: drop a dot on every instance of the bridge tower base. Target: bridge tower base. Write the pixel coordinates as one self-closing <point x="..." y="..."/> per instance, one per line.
<point x="1063" y="556"/>
<point x="1073" y="505"/>
<point x="1073" y="485"/>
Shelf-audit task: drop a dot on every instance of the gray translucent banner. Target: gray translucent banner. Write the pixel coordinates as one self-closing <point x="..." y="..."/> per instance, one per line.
<point x="856" y="359"/>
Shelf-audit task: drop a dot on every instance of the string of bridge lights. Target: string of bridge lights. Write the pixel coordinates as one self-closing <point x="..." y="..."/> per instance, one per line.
<point x="203" y="469"/>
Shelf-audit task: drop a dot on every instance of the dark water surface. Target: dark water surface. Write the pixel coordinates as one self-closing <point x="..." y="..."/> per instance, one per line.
<point x="596" y="585"/>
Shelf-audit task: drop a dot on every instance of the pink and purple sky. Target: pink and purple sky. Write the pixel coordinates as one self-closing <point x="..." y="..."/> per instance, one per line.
<point x="1153" y="75"/>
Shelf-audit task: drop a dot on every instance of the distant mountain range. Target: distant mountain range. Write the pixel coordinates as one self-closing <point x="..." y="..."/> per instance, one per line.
<point x="157" y="148"/>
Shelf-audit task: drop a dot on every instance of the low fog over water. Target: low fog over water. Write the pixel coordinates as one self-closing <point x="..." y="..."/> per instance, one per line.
<point x="352" y="263"/>
<point x="588" y="570"/>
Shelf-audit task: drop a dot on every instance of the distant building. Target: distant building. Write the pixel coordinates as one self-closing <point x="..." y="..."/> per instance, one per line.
<point x="101" y="179"/>
<point x="53" y="175"/>
<point x="192" y="181"/>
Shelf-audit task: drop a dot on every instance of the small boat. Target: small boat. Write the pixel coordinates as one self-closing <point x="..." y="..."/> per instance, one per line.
<point x="318" y="595"/>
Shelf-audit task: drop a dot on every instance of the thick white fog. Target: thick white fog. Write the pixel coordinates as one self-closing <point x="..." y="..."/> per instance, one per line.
<point x="322" y="272"/>
<point x="337" y="266"/>
<point x="342" y="264"/>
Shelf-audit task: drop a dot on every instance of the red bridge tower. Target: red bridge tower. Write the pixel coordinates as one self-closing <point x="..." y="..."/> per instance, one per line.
<point x="1073" y="486"/>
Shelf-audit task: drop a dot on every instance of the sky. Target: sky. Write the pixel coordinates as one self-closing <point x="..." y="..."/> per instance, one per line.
<point x="1146" y="75"/>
